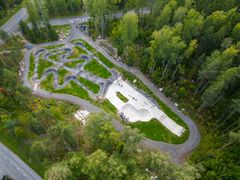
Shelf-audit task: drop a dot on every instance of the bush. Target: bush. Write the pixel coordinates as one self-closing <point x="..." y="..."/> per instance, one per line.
<point x="182" y="92"/>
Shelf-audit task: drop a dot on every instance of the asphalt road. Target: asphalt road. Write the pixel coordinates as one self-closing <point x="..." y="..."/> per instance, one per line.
<point x="13" y="166"/>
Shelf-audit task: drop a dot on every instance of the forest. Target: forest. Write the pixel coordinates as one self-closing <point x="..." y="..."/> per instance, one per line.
<point x="190" y="48"/>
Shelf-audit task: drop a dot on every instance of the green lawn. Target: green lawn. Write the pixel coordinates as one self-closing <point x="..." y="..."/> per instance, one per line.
<point x="98" y="54"/>
<point x="94" y="67"/>
<point x="61" y="74"/>
<point x="53" y="47"/>
<point x="74" y="63"/>
<point x="104" y="60"/>
<point x="86" y="44"/>
<point x="122" y="97"/>
<point x="31" y="66"/>
<point x="156" y="131"/>
<point x="42" y="66"/>
<point x="55" y="57"/>
<point x="72" y="88"/>
<point x="106" y="106"/>
<point x="95" y="88"/>
<point x="77" y="51"/>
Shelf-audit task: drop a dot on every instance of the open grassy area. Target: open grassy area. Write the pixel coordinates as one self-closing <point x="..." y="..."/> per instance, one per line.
<point x="98" y="54"/>
<point x="72" y="88"/>
<point x="54" y="57"/>
<point x="122" y="97"/>
<point x="156" y="131"/>
<point x="61" y="74"/>
<point x="104" y="60"/>
<point x="106" y="106"/>
<point x="31" y="66"/>
<point x="53" y="47"/>
<point x="42" y="66"/>
<point x="77" y="51"/>
<point x="95" y="88"/>
<point x="86" y="44"/>
<point x="94" y="67"/>
<point x="74" y="63"/>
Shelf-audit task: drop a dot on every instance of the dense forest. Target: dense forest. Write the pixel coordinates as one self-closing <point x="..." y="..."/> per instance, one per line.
<point x="190" y="48"/>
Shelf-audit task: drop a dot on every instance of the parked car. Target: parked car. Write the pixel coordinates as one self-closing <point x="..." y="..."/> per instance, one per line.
<point x="28" y="46"/>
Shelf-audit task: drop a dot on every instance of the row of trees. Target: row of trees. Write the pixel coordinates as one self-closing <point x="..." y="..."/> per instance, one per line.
<point x="40" y="30"/>
<point x="63" y="7"/>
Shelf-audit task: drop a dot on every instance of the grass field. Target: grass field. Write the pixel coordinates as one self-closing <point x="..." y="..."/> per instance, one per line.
<point x="72" y="88"/>
<point x="74" y="63"/>
<point x="101" y="57"/>
<point x="122" y="97"/>
<point x="31" y="66"/>
<point x="105" y="61"/>
<point x="42" y="66"/>
<point x="94" y="67"/>
<point x="61" y="74"/>
<point x="90" y="85"/>
<point x="156" y="131"/>
<point x="106" y="106"/>
<point x="55" y="57"/>
<point x="86" y="44"/>
<point x="53" y="47"/>
<point x="77" y="51"/>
